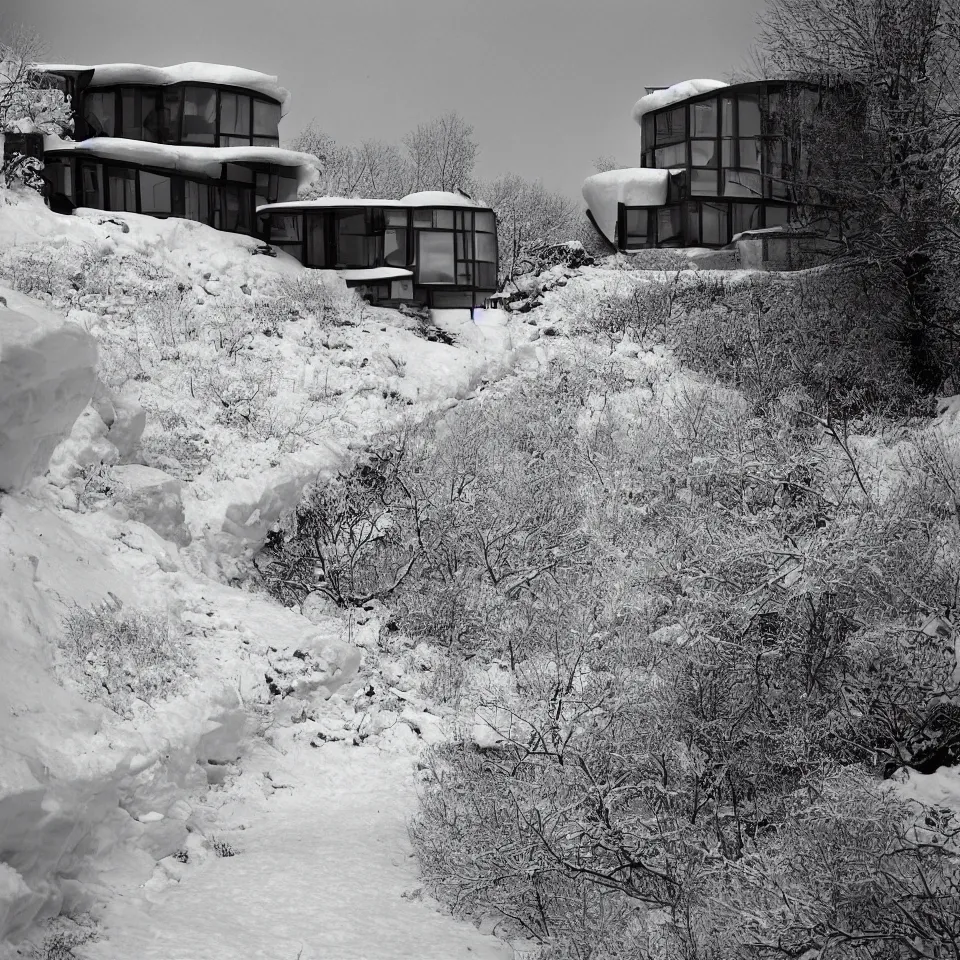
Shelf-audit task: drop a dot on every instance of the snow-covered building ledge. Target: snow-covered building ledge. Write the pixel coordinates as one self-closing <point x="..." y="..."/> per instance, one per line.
<point x="714" y="162"/>
<point x="433" y="248"/>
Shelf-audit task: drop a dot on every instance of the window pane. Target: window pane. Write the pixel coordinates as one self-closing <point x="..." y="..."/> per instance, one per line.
<point x="716" y="230"/>
<point x="423" y="218"/>
<point x="669" y="224"/>
<point x="99" y="110"/>
<point x="727" y="117"/>
<point x="750" y="116"/>
<point x="122" y="185"/>
<point x="265" y="142"/>
<point x="703" y="119"/>
<point x="235" y="114"/>
<point x="199" y="115"/>
<point x="285" y="226"/>
<point x="170" y="115"/>
<point x="131" y="127"/>
<point x="239" y="173"/>
<point x="286" y="187"/>
<point x="486" y="247"/>
<point x="233" y="142"/>
<point x="58" y="175"/>
<point x="750" y="154"/>
<point x="671" y="125"/>
<point x="266" y="118"/>
<point x="395" y="218"/>
<point x="196" y="201"/>
<point x="637" y="225"/>
<point x="703" y="153"/>
<point x="235" y="212"/>
<point x="486" y="276"/>
<point x="703" y="183"/>
<point x="741" y="184"/>
<point x="669" y="157"/>
<point x="465" y="273"/>
<point x="465" y="245"/>
<point x="436" y="257"/>
<point x="777" y="216"/>
<point x="262" y="188"/>
<point x="151" y="116"/>
<point x="484" y="222"/>
<point x="746" y="216"/>
<point x="355" y="247"/>
<point x="443" y="219"/>
<point x="91" y="186"/>
<point x="693" y="224"/>
<point x="728" y="153"/>
<point x="316" y="250"/>
<point x="395" y="247"/>
<point x="154" y="193"/>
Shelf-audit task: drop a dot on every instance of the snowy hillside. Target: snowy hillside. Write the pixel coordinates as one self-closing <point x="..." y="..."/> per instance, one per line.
<point x="227" y="381"/>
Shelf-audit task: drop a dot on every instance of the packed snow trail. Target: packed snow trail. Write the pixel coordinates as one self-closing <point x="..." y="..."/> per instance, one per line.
<point x="320" y="873"/>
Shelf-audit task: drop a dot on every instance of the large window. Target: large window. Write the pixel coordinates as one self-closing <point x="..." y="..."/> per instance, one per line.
<point x="199" y="116"/>
<point x="435" y="256"/>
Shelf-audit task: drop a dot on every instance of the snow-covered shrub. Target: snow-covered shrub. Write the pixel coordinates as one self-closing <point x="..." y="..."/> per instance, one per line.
<point x="115" y="655"/>
<point x="222" y="848"/>
<point x="833" y="335"/>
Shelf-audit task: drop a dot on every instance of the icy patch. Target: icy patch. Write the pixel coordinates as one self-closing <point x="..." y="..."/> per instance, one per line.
<point x="47" y="374"/>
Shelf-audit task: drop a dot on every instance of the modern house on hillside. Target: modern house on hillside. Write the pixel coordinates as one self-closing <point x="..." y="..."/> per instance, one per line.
<point x="437" y="249"/>
<point x="716" y="161"/>
<point x="196" y="140"/>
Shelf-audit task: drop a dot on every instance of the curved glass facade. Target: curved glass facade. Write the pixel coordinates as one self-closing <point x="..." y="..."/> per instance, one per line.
<point x="731" y="162"/>
<point x="187" y="114"/>
<point x="451" y="253"/>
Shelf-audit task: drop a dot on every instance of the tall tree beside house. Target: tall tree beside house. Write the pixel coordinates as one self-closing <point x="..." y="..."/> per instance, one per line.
<point x="881" y="151"/>
<point x="442" y="154"/>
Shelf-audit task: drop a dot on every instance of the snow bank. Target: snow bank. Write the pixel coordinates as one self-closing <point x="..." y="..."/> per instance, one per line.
<point x="201" y="161"/>
<point x="47" y="376"/>
<point x="675" y="94"/>
<point x="109" y="74"/>
<point x="375" y="273"/>
<point x="633" y="186"/>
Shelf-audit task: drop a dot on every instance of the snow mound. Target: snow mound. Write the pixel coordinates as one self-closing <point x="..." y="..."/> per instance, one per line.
<point x="633" y="186"/>
<point x="675" y="94"/>
<point x="108" y="74"/>
<point x="47" y="376"/>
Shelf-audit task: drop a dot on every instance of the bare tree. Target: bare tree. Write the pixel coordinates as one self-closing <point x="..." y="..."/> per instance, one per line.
<point x="442" y="154"/>
<point x="528" y="215"/>
<point x="878" y="154"/>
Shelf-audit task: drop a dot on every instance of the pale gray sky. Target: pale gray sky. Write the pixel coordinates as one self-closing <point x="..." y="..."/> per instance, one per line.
<point x="547" y="84"/>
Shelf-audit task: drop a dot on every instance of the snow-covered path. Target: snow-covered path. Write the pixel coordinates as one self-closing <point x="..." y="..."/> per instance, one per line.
<point x="320" y="872"/>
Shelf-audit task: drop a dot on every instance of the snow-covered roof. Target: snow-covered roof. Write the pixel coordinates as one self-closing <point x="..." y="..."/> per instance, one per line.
<point x="108" y="74"/>
<point x="437" y="198"/>
<point x="633" y="187"/>
<point x="375" y="273"/>
<point x="675" y="94"/>
<point x="428" y="198"/>
<point x="202" y="161"/>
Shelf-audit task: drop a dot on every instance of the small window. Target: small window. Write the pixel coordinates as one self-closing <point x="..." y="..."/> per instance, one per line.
<point x="443" y="219"/>
<point x="486" y="275"/>
<point x="716" y="227"/>
<point x="671" y="125"/>
<point x="266" y="119"/>
<point x="670" y="225"/>
<point x="703" y="119"/>
<point x="239" y="173"/>
<point x="395" y="218"/>
<point x="122" y="185"/>
<point x="486" y="247"/>
<point x="703" y="153"/>
<point x="423" y="218"/>
<point x="316" y="249"/>
<point x="703" y="183"/>
<point x="484" y="222"/>
<point x="436" y="264"/>
<point x="668" y="158"/>
<point x="286" y="186"/>
<point x="285" y="227"/>
<point x="155" y="194"/>
<point x="100" y="113"/>
<point x="750" y="122"/>
<point x="636" y="226"/>
<point x="199" y="115"/>
<point x="235" y="115"/>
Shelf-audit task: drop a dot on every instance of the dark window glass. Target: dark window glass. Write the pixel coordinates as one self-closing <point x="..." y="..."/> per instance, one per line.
<point x="91" y="186"/>
<point x="266" y="119"/>
<point x="285" y="227"/>
<point x="155" y="194"/>
<point x="670" y="157"/>
<point x="737" y="183"/>
<point x="151" y="116"/>
<point x="436" y="257"/>
<point x="395" y="218"/>
<point x="716" y="227"/>
<point x="235" y="209"/>
<point x="286" y="187"/>
<point x="262" y="188"/>
<point x="671" y="125"/>
<point x="395" y="246"/>
<point x="486" y="276"/>
<point x="649" y="158"/>
<point x="239" y="173"/>
<point x="484" y="222"/>
<point x="727" y="124"/>
<point x="235" y="115"/>
<point x="703" y="153"/>
<point x="99" y="111"/>
<point x="703" y="183"/>
<point x="355" y="246"/>
<point x="170" y="115"/>
<point x="196" y="201"/>
<point x="669" y="225"/>
<point x="637" y="222"/>
<point x="131" y="125"/>
<point x="199" y="115"/>
<point x="750" y="124"/>
<point x="316" y="250"/>
<point x="423" y="218"/>
<point x="693" y="224"/>
<point x="677" y="186"/>
<point x="647" y="138"/>
<point x="58" y="175"/>
<point x="746" y="216"/>
<point x="122" y="184"/>
<point x="777" y="216"/>
<point x="703" y="119"/>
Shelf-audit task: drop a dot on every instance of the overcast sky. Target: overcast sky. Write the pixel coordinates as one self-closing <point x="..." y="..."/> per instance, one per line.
<point x="547" y="84"/>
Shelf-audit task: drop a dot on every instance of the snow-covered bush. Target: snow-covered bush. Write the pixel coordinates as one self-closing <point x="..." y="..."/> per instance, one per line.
<point x="116" y="655"/>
